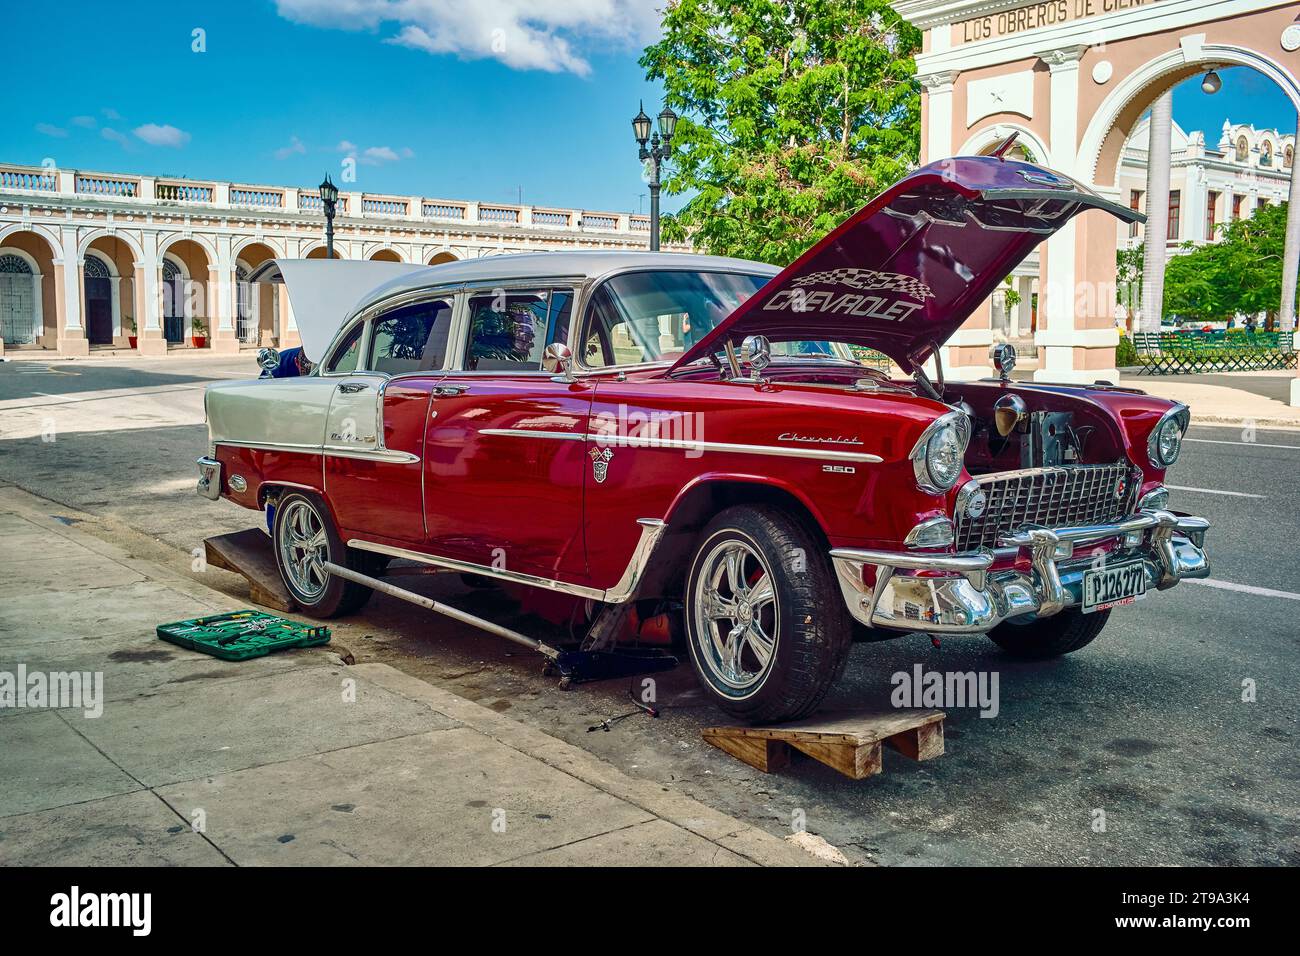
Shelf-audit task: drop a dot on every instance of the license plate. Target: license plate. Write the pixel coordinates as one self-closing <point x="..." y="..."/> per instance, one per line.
<point x="1113" y="586"/>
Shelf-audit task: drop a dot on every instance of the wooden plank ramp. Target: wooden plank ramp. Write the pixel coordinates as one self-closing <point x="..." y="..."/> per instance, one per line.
<point x="847" y="741"/>
<point x="249" y="553"/>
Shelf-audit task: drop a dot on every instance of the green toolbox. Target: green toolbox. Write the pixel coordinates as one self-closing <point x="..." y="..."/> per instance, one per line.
<point x="239" y="635"/>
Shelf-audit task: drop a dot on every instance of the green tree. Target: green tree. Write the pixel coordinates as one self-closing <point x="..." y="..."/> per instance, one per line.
<point x="1241" y="273"/>
<point x="793" y="115"/>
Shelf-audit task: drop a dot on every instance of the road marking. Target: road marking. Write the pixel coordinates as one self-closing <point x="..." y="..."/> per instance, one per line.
<point x="1212" y="491"/>
<point x="1244" y="588"/>
<point x="1249" y="444"/>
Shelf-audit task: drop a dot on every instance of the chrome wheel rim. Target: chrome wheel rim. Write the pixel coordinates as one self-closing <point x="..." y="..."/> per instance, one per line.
<point x="737" y="616"/>
<point x="303" y="546"/>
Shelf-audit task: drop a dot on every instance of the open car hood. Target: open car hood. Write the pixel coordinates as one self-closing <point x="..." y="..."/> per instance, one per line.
<point x="324" y="292"/>
<point x="905" y="271"/>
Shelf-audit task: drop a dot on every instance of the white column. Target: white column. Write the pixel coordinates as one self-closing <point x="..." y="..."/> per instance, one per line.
<point x="1024" y="313"/>
<point x="71" y="281"/>
<point x="1056" y="334"/>
<point x="939" y="117"/>
<point x="1157" y="228"/>
<point x="1291" y="254"/>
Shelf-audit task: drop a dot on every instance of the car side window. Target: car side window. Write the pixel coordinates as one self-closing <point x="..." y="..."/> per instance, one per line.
<point x="347" y="354"/>
<point x="508" y="331"/>
<point x="610" y="338"/>
<point x="411" y="339"/>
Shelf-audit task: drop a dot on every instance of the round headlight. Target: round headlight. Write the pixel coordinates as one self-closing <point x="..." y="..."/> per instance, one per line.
<point x="943" y="455"/>
<point x="1169" y="442"/>
<point x="937" y="455"/>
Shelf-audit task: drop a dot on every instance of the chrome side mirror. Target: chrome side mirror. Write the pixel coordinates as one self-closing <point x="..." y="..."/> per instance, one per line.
<point x="268" y="359"/>
<point x="1008" y="412"/>
<point x="1004" y="360"/>
<point x="558" y="360"/>
<point x="756" y="351"/>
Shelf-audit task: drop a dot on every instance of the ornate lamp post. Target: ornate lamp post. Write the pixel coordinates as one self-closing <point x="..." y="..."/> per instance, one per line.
<point x="329" y="196"/>
<point x="656" y="150"/>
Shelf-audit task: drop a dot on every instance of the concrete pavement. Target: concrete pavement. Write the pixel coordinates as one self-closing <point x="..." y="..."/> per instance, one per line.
<point x="295" y="758"/>
<point x="1228" y="398"/>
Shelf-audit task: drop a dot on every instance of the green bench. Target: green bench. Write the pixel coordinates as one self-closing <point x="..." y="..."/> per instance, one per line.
<point x="1189" y="353"/>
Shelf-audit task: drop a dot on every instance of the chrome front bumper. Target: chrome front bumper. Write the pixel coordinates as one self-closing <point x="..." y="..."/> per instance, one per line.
<point x="961" y="594"/>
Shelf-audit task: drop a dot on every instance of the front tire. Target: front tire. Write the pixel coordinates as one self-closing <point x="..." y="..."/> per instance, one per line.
<point x="1049" y="637"/>
<point x="766" y="626"/>
<point x="304" y="536"/>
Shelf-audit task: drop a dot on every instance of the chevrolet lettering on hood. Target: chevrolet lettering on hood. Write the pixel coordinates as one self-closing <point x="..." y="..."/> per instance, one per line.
<point x="832" y="299"/>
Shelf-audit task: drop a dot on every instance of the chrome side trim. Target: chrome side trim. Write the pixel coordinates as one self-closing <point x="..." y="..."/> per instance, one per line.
<point x="652" y="530"/>
<point x="777" y="451"/>
<point x="334" y="451"/>
<point x="533" y="433"/>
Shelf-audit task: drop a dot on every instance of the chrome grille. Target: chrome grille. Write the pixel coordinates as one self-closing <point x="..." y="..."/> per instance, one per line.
<point x="1048" y="497"/>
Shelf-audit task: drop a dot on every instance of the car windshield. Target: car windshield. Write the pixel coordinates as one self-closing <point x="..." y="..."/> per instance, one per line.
<point x="644" y="317"/>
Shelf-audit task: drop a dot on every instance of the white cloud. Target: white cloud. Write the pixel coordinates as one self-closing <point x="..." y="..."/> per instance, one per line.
<point x="120" y="138"/>
<point x="346" y="146"/>
<point x="164" y="135"/>
<point x="85" y="122"/>
<point x="376" y="155"/>
<point x="523" y="34"/>
<point x="295" y="146"/>
<point x="49" y="129"/>
<point x="110" y="113"/>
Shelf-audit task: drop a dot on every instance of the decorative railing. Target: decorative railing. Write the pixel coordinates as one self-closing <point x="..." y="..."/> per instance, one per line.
<point x="183" y="192"/>
<point x="257" y="197"/>
<point x="507" y="215"/>
<point x="172" y="189"/>
<point x="443" y="210"/>
<point x="384" y="206"/>
<point x="44" y="181"/>
<point x="93" y="185"/>
<point x="555" y="218"/>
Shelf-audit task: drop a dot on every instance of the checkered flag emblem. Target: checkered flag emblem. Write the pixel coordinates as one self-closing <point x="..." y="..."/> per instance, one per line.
<point x="869" y="280"/>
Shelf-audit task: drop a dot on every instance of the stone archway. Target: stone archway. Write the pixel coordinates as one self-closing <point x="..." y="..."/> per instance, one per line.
<point x="37" y="308"/>
<point x="256" y="304"/>
<point x="438" y="258"/>
<point x="20" y="297"/>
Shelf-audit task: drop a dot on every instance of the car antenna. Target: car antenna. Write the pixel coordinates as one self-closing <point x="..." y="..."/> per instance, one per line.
<point x="1001" y="151"/>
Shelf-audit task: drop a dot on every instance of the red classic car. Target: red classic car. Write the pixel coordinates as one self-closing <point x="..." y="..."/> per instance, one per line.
<point x="695" y="440"/>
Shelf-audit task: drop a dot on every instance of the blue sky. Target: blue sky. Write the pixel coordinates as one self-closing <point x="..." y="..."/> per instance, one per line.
<point x="474" y="102"/>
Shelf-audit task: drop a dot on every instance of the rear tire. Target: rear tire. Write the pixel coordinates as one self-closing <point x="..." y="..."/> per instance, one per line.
<point x="766" y="627"/>
<point x="1049" y="637"/>
<point x="304" y="535"/>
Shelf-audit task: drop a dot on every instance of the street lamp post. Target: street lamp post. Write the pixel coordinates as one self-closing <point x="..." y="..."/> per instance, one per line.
<point x="655" y="150"/>
<point x="329" y="196"/>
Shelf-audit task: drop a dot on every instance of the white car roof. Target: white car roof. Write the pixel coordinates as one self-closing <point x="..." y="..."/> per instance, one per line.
<point x="545" y="265"/>
<point x="325" y="293"/>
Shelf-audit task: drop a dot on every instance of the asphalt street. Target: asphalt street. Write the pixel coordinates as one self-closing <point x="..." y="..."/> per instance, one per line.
<point x="1147" y="725"/>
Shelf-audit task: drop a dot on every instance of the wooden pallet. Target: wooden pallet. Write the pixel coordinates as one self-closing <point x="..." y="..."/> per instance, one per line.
<point x="848" y="741"/>
<point x="249" y="553"/>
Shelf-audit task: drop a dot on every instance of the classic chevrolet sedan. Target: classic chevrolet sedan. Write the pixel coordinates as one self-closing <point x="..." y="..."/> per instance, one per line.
<point x="684" y="447"/>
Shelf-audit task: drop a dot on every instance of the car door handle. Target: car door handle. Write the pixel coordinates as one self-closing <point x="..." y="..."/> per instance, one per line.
<point x="448" y="391"/>
<point x="353" y="387"/>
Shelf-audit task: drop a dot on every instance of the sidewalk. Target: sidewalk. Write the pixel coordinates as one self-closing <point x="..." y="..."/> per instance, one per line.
<point x="294" y="758"/>
<point x="1228" y="398"/>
